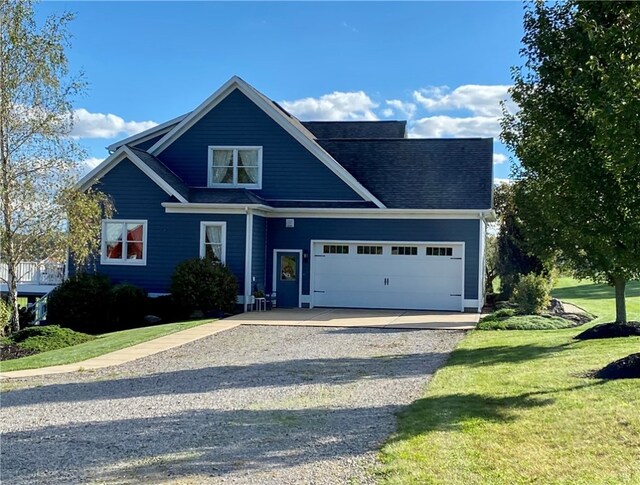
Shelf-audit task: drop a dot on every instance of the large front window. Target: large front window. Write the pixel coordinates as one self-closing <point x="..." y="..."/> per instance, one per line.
<point x="124" y="242"/>
<point x="235" y="167"/>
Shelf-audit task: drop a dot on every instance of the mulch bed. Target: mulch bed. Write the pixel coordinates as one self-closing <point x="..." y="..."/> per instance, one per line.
<point x="610" y="330"/>
<point x="627" y="368"/>
<point x="10" y="351"/>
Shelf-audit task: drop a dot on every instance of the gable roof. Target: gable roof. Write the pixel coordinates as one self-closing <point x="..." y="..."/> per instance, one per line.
<point x="150" y="166"/>
<point x="290" y="124"/>
<point x="356" y="129"/>
<point x="414" y="173"/>
<point x="147" y="134"/>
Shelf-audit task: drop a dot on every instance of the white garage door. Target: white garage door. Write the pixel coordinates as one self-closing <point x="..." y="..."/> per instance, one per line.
<point x="420" y="276"/>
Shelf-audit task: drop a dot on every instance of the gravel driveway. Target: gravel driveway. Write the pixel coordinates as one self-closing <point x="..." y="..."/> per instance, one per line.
<point x="250" y="405"/>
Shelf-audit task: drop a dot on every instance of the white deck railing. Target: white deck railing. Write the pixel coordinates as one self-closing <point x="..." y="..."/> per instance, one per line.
<point x="35" y="273"/>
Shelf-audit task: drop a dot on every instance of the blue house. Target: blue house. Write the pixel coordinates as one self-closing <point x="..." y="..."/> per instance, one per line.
<point x="323" y="214"/>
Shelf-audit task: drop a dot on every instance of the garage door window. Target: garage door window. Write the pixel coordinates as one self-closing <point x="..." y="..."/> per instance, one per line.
<point x="404" y="250"/>
<point x="433" y="251"/>
<point x="370" y="250"/>
<point x="335" y="249"/>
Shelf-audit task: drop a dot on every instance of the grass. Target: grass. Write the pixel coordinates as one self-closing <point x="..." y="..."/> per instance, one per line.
<point x="516" y="408"/>
<point x="103" y="344"/>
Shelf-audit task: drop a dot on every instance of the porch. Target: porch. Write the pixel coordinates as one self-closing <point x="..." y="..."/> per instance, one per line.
<point x="34" y="277"/>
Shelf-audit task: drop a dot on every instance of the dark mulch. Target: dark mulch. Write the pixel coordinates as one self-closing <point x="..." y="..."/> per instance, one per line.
<point x="610" y="330"/>
<point x="627" y="368"/>
<point x="10" y="351"/>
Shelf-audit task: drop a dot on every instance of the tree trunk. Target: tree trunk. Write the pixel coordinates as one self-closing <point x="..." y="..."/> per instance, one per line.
<point x="621" y="308"/>
<point x="14" y="320"/>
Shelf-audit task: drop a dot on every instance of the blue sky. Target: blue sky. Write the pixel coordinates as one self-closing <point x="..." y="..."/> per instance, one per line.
<point x="442" y="66"/>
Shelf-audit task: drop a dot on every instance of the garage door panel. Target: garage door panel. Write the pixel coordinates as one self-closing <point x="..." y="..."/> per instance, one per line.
<point x="399" y="281"/>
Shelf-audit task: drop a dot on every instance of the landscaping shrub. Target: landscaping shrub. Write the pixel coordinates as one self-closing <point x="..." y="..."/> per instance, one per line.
<point x="166" y="308"/>
<point x="128" y="306"/>
<point x="81" y="303"/>
<point x="499" y="315"/>
<point x="531" y="294"/>
<point x="526" y="322"/>
<point x="49" y="337"/>
<point x="204" y="285"/>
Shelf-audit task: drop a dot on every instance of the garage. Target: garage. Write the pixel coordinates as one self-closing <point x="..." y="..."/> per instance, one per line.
<point x="406" y="275"/>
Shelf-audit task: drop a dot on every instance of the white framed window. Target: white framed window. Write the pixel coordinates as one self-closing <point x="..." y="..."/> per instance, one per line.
<point x="124" y="241"/>
<point x="213" y="240"/>
<point x="235" y="167"/>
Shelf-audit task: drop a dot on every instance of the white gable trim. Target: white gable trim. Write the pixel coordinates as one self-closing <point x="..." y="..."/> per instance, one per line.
<point x="125" y="152"/>
<point x="300" y="134"/>
<point x="147" y="134"/>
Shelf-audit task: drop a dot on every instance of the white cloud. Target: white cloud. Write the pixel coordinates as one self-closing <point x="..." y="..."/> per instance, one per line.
<point x="407" y="109"/>
<point x="387" y="112"/>
<point x="443" y="126"/>
<point x="337" y="106"/>
<point x="93" y="162"/>
<point x="100" y="125"/>
<point x="498" y="181"/>
<point x="480" y="100"/>
<point x="499" y="158"/>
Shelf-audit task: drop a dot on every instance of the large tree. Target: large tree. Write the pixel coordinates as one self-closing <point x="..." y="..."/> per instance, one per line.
<point x="577" y="137"/>
<point x="39" y="161"/>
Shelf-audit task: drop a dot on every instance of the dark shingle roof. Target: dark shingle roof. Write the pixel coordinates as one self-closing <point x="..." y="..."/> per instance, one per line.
<point x="421" y="173"/>
<point x="224" y="196"/>
<point x="356" y="129"/>
<point x="162" y="171"/>
<point x="297" y="204"/>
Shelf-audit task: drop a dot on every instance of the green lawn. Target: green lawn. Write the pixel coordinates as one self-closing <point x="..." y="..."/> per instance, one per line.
<point x="514" y="407"/>
<point x="104" y="344"/>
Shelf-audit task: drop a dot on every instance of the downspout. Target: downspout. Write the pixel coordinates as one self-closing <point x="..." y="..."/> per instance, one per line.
<point x="248" y="257"/>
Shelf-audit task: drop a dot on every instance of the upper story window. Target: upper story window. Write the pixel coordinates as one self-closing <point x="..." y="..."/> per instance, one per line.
<point x="235" y="167"/>
<point x="124" y="242"/>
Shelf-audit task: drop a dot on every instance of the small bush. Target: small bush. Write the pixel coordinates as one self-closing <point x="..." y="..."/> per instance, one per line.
<point x="204" y="285"/>
<point x="166" y="308"/>
<point x="81" y="303"/>
<point x="128" y="306"/>
<point x="526" y="322"/>
<point x="50" y="337"/>
<point x="499" y="315"/>
<point x="531" y="294"/>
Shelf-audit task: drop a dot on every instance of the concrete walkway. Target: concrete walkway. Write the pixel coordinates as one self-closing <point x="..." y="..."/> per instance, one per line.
<point x="342" y="317"/>
<point x="128" y="354"/>
<point x="323" y="317"/>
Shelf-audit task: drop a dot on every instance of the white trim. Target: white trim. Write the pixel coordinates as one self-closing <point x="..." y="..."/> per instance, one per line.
<point x="377" y="242"/>
<point x="234" y="166"/>
<point x="223" y="237"/>
<point x="303" y="136"/>
<point x="470" y="303"/>
<point x="248" y="256"/>
<point x="274" y="280"/>
<point x="334" y="213"/>
<point x="123" y="261"/>
<point x="481" y="263"/>
<point x="147" y="134"/>
<point x="113" y="160"/>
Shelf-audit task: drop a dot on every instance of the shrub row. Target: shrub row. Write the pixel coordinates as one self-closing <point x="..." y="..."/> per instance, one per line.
<point x="90" y="303"/>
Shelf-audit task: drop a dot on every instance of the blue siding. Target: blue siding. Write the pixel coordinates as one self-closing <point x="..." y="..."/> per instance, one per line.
<point x="299" y="237"/>
<point x="171" y="238"/>
<point x="259" y="248"/>
<point x="145" y="145"/>
<point x="290" y="171"/>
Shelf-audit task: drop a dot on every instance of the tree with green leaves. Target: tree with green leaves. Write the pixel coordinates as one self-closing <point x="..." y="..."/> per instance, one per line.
<point x="39" y="161"/>
<point x="577" y="137"/>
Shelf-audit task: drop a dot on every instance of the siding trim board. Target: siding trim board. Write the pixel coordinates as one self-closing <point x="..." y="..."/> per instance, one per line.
<point x="299" y="133"/>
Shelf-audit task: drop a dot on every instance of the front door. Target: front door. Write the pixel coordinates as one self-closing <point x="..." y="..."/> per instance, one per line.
<point x="287" y="279"/>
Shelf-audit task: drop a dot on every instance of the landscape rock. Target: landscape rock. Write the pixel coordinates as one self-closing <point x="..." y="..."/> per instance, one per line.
<point x="556" y="306"/>
<point x="152" y="319"/>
